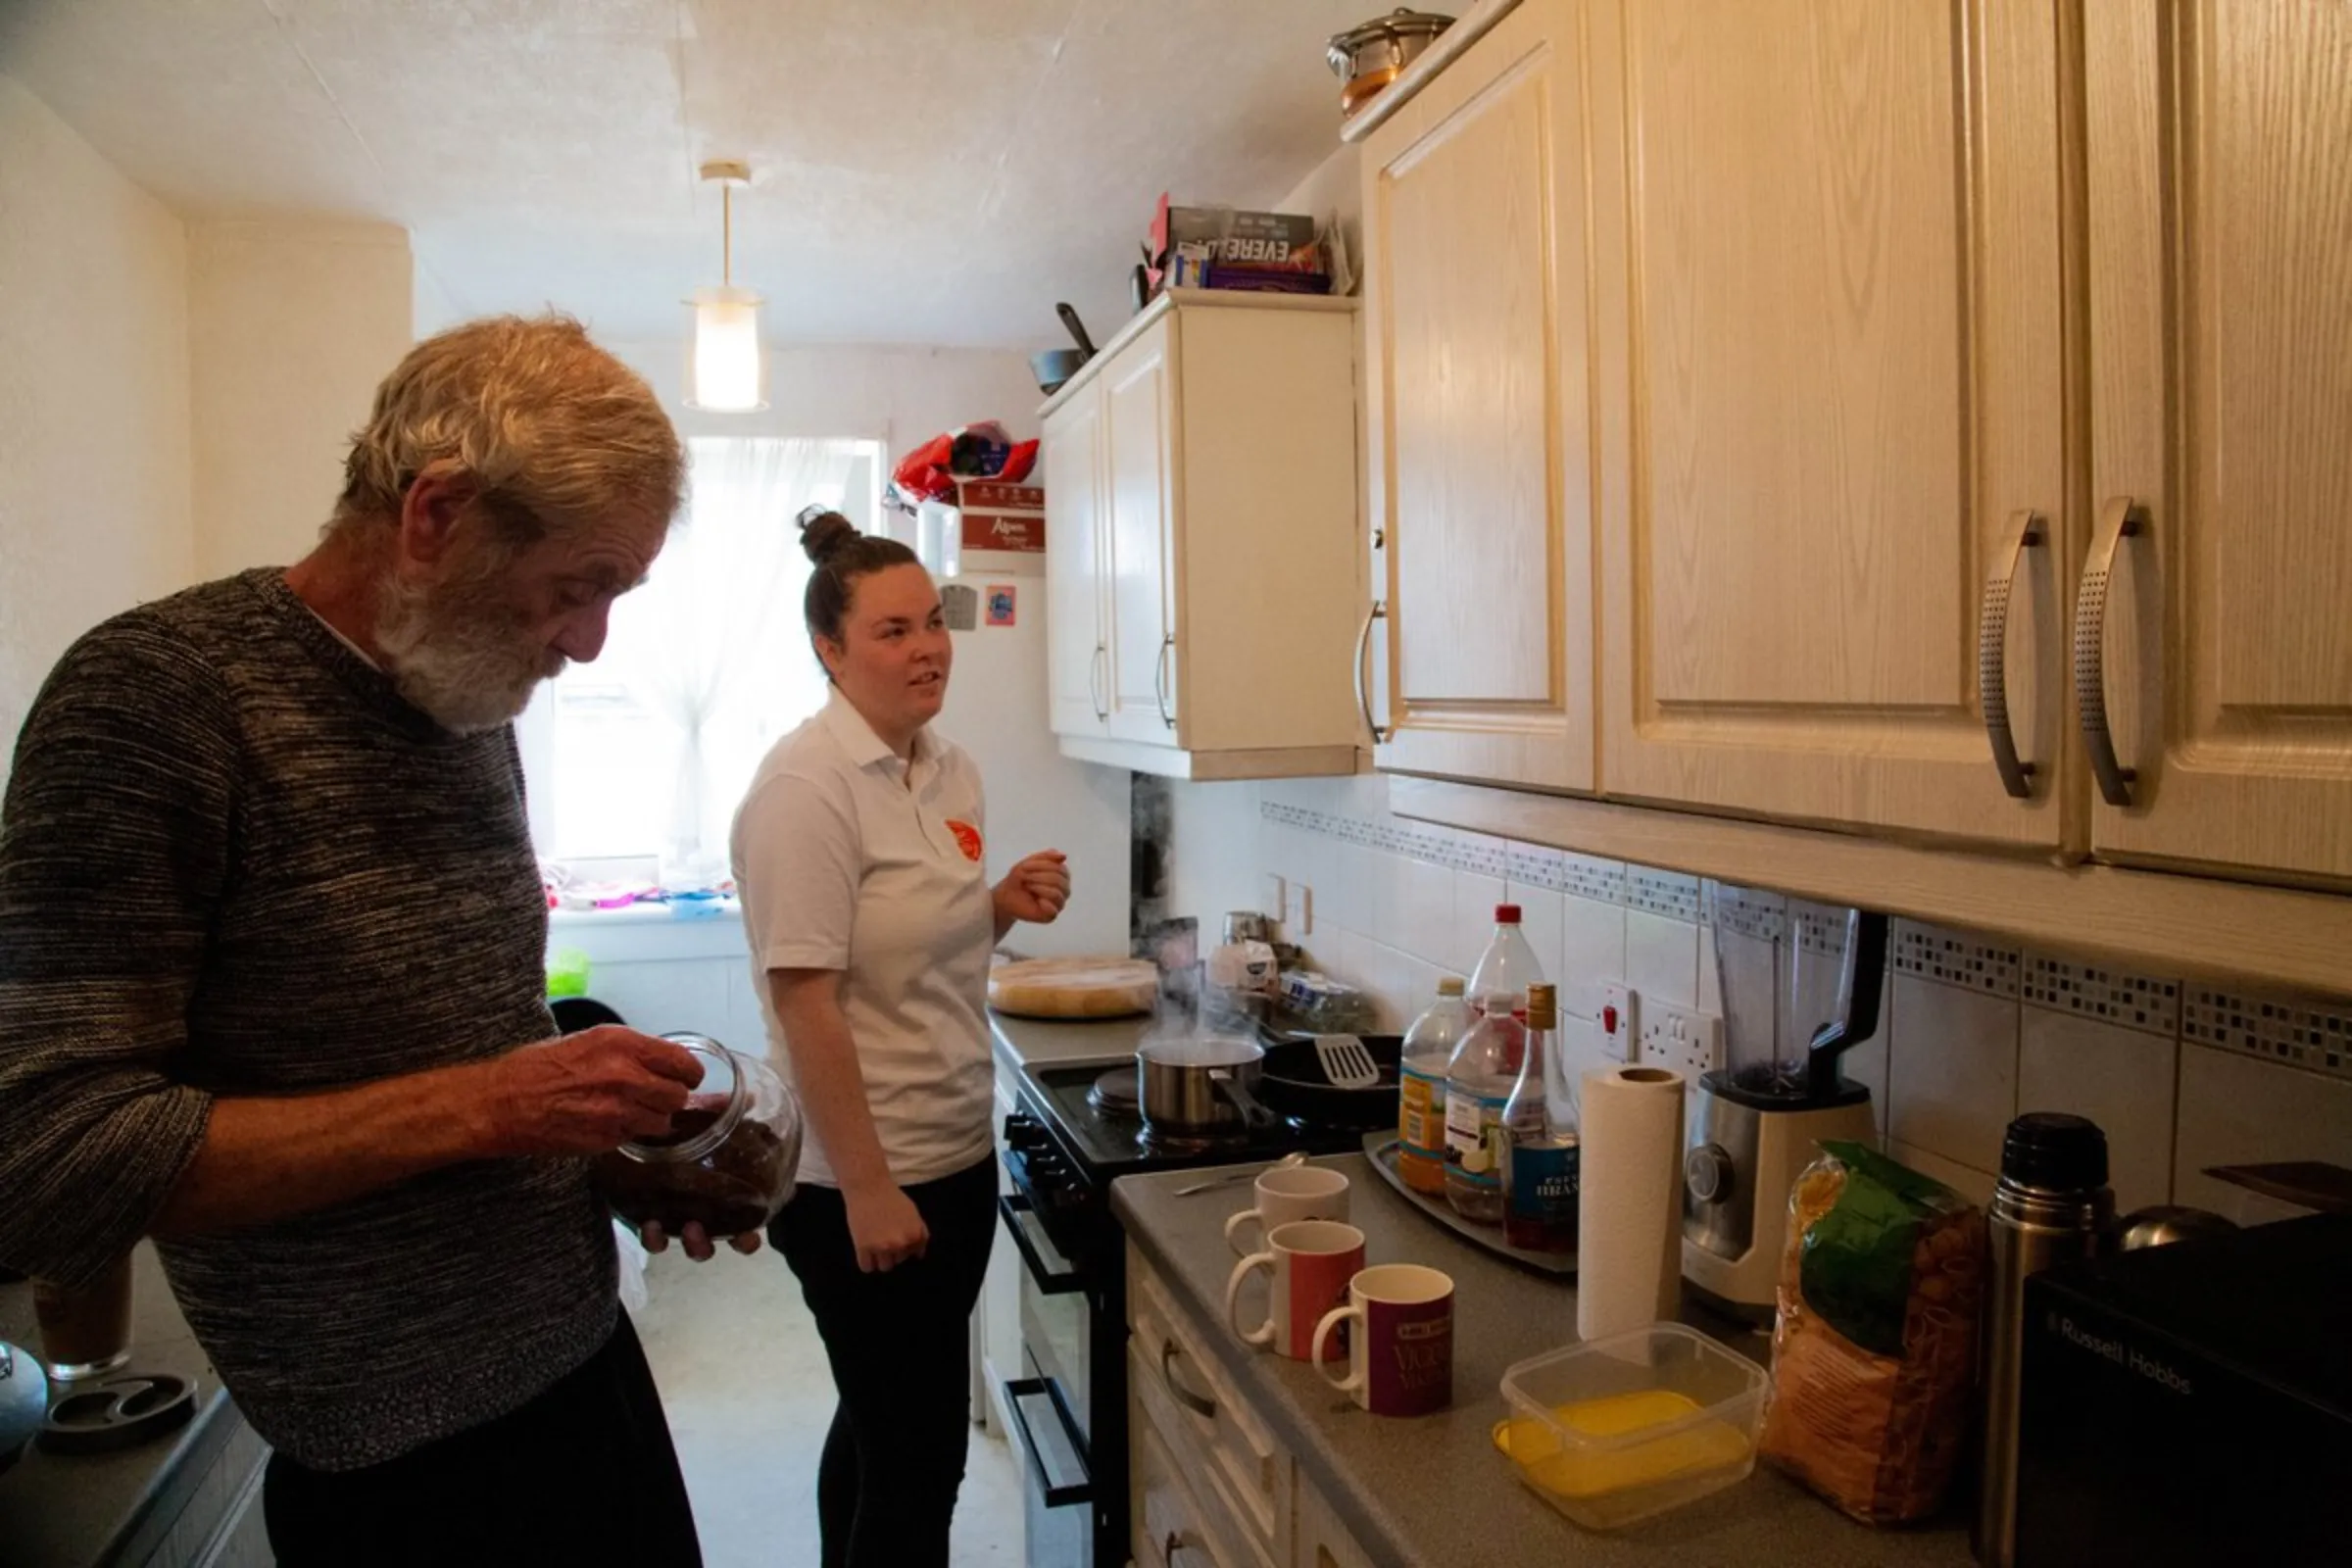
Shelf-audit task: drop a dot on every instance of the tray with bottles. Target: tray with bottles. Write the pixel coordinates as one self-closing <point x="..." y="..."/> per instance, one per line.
<point x="1380" y="1149"/>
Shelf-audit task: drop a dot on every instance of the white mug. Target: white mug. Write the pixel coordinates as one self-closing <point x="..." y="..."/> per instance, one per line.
<point x="1288" y="1193"/>
<point x="1311" y="1261"/>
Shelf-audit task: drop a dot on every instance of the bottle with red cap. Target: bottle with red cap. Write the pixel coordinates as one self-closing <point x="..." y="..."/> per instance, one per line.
<point x="1504" y="971"/>
<point x="1485" y="1070"/>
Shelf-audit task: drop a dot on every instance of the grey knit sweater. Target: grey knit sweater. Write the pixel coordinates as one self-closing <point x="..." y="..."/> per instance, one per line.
<point x="234" y="862"/>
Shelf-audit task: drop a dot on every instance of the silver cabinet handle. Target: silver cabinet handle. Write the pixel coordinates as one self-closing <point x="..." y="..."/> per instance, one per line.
<point x="1093" y="682"/>
<point x="1992" y="652"/>
<point x="2121" y="519"/>
<point x="1159" y="681"/>
<point x="1200" y="1404"/>
<point x="1379" y="610"/>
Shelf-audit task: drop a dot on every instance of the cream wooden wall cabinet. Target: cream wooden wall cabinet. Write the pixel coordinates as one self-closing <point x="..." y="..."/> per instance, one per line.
<point x="1916" y="420"/>
<point x="1202" y="559"/>
<point x="1475" y="399"/>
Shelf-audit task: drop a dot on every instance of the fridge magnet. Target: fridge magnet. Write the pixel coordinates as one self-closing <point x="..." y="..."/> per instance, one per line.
<point x="999" y="604"/>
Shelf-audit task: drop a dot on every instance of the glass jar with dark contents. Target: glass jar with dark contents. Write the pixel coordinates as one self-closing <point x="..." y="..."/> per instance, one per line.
<point x="728" y="1159"/>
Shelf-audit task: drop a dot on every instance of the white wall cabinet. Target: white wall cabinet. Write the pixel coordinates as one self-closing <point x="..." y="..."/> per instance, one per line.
<point x="1203" y="576"/>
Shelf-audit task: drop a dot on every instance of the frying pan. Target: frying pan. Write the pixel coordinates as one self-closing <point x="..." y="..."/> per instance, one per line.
<point x="1054" y="366"/>
<point x="1293" y="1083"/>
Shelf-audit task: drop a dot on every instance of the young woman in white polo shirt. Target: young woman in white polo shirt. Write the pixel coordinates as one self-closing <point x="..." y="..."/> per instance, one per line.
<point x="859" y="854"/>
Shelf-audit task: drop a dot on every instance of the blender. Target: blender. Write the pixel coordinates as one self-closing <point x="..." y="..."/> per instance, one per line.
<point x="1757" y="1122"/>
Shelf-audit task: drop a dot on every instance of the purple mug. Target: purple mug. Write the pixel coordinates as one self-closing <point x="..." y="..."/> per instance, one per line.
<point x="1399" y="1319"/>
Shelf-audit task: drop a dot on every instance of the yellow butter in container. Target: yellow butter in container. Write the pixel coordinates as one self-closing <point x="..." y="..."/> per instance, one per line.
<point x="1625" y="1428"/>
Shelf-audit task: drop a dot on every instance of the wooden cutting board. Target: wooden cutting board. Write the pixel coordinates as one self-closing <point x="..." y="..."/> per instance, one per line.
<point x="1074" y="988"/>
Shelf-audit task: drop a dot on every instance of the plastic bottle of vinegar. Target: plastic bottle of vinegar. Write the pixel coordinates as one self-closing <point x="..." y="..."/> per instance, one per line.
<point x="1478" y="1086"/>
<point x="1505" y="969"/>
<point x="1429" y="1048"/>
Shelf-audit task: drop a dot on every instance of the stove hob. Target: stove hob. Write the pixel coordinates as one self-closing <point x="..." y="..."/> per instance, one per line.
<point x="1116" y="1096"/>
<point x="1094" y="1106"/>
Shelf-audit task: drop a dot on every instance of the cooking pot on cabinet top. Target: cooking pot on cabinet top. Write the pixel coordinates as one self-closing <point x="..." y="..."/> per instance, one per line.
<point x="1370" y="57"/>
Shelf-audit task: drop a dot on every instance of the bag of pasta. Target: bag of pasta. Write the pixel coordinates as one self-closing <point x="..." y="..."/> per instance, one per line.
<point x="1874" y="1356"/>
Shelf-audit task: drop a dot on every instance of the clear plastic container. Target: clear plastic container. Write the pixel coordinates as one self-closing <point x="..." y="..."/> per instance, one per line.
<point x="1626" y="1428"/>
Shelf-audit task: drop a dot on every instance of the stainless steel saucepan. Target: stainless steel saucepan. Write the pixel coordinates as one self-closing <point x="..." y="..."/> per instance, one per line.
<point x="1200" y="1083"/>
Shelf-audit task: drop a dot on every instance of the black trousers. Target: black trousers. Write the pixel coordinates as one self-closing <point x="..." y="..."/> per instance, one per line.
<point x="901" y="1350"/>
<point x="583" y="1473"/>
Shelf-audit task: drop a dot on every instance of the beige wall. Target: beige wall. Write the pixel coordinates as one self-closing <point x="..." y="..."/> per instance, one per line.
<point x="94" y="388"/>
<point x="292" y="324"/>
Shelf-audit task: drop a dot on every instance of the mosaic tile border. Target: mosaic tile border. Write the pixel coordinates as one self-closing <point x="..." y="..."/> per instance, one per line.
<point x="1667" y="893"/>
<point x="2277" y="1029"/>
<point x="1955" y="959"/>
<point x="2145" y="1003"/>
<point x="1744" y="911"/>
<point x="1506" y="859"/>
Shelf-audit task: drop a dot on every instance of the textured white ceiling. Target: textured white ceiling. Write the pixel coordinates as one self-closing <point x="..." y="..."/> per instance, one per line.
<point x="924" y="170"/>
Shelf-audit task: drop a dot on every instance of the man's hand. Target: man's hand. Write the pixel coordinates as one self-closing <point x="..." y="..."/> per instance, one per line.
<point x="586" y="1092"/>
<point x="696" y="1241"/>
<point x="886" y="1227"/>
<point x="1035" y="890"/>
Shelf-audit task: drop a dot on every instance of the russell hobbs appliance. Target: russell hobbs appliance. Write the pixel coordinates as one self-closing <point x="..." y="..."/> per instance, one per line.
<point x="1756" y="1124"/>
<point x="2190" y="1403"/>
<point x="1077" y="1128"/>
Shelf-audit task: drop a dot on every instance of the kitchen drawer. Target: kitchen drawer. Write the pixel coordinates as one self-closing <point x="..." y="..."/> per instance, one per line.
<point x="1169" y="1527"/>
<point x="1223" y="1518"/>
<point x="1207" y="1415"/>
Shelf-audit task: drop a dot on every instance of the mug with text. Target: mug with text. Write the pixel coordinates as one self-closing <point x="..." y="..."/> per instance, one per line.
<point x="1399" y="1323"/>
<point x="1311" y="1261"/>
<point x="1289" y="1194"/>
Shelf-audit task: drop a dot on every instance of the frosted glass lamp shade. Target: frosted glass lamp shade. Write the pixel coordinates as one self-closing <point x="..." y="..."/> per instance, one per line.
<point x="724" y="371"/>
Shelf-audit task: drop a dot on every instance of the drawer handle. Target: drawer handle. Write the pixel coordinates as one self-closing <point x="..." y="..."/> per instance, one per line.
<point x="2124" y="519"/>
<point x="1093" y="682"/>
<point x="1200" y="1404"/>
<point x="1378" y="610"/>
<point x="1992" y="654"/>
<point x="1159" y="681"/>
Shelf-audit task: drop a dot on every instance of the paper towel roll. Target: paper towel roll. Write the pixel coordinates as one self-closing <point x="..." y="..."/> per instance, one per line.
<point x="1629" y="1206"/>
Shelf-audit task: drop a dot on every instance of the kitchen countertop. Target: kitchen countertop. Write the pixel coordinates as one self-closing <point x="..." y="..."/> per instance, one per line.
<point x="77" y="1510"/>
<point x="1042" y="1041"/>
<point x="1432" y="1493"/>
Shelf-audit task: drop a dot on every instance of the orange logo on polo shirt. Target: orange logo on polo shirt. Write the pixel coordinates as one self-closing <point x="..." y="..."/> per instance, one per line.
<point x="967" y="838"/>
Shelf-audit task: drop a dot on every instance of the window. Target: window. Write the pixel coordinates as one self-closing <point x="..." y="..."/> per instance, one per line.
<point x="645" y="751"/>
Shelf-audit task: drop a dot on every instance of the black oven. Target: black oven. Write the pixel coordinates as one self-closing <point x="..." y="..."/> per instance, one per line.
<point x="1053" y="1420"/>
<point x="1070" y="1136"/>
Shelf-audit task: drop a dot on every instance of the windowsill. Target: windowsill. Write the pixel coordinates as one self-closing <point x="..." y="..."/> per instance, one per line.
<point x="726" y="911"/>
<point x="646" y="933"/>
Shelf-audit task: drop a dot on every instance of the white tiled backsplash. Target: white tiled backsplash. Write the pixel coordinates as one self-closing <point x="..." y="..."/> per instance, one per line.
<point x="2182" y="1075"/>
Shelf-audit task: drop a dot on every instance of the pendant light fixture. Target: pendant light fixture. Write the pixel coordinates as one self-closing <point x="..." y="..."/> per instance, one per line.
<point x="725" y="371"/>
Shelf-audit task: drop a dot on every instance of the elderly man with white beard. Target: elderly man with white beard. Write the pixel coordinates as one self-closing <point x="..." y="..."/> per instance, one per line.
<point x="272" y="983"/>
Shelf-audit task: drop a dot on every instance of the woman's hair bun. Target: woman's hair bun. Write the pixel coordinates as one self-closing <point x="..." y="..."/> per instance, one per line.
<point x="824" y="532"/>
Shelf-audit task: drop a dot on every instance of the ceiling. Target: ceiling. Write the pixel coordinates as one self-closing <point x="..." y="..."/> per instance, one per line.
<point x="923" y="171"/>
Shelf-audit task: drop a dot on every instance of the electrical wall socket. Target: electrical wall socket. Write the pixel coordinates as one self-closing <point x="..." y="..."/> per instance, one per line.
<point x="1617" y="1019"/>
<point x="1684" y="1039"/>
